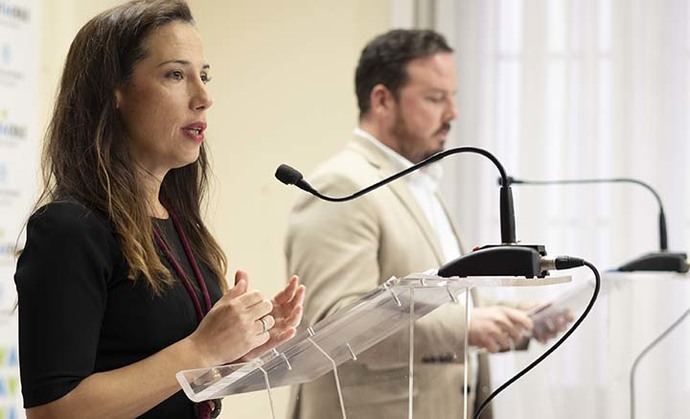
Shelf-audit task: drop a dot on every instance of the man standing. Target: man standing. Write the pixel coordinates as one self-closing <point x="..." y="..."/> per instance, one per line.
<point x="405" y="84"/>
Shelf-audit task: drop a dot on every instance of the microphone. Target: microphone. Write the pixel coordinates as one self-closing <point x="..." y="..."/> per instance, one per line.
<point x="505" y="259"/>
<point x="663" y="260"/>
<point x="292" y="176"/>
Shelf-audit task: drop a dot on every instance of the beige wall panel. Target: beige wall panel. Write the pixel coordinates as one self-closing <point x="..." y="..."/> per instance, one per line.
<point x="283" y="87"/>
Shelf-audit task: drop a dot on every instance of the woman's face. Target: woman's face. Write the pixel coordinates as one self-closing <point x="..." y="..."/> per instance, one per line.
<point x="163" y="105"/>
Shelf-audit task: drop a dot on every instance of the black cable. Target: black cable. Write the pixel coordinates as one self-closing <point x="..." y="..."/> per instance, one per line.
<point x="561" y="263"/>
<point x="644" y="352"/>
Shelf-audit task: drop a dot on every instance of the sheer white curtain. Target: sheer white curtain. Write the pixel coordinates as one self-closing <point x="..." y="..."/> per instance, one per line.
<point x="564" y="89"/>
<point x="572" y="89"/>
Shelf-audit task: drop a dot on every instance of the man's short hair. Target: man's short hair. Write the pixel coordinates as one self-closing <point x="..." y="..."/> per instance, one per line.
<point x="384" y="60"/>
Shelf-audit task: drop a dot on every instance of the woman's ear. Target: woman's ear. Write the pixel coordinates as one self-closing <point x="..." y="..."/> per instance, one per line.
<point x="118" y="98"/>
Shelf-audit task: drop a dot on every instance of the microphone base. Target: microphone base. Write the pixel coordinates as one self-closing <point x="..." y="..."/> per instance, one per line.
<point x="498" y="260"/>
<point x="658" y="261"/>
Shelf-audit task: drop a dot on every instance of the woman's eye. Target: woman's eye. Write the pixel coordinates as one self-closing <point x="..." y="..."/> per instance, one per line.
<point x="205" y="78"/>
<point x="175" y="75"/>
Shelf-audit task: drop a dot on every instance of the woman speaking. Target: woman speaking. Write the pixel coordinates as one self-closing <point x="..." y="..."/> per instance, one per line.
<point x="120" y="283"/>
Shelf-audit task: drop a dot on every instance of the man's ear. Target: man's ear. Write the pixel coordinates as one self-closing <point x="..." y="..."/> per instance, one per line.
<point x="381" y="99"/>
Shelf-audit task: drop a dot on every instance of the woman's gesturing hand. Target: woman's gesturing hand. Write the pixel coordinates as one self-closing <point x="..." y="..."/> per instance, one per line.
<point x="286" y="316"/>
<point x="233" y="327"/>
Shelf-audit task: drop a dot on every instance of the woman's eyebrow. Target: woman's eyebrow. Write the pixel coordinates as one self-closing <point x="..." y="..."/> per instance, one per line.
<point x="183" y="62"/>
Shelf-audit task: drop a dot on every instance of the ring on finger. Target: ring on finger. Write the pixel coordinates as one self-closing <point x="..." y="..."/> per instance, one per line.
<point x="264" y="324"/>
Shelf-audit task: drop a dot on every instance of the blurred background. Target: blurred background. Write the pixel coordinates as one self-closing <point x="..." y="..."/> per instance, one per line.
<point x="554" y="88"/>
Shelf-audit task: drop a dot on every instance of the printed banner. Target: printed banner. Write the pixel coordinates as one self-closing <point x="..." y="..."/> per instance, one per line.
<point x="19" y="144"/>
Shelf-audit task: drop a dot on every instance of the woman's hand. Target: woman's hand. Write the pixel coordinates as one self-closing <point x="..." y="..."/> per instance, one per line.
<point x="285" y="316"/>
<point x="233" y="327"/>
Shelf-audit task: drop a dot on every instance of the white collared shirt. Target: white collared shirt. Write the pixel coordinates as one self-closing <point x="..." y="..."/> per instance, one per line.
<point x="423" y="184"/>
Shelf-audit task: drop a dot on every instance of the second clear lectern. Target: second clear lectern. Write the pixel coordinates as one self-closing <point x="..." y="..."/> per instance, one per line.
<point x="391" y="308"/>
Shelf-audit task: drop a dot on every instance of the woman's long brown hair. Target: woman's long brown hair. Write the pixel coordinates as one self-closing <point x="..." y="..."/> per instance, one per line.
<point x="86" y="155"/>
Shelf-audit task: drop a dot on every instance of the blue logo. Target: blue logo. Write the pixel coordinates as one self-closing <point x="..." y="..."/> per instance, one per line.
<point x="10" y="129"/>
<point x="7" y="250"/>
<point x="13" y="359"/>
<point x="6" y="54"/>
<point x="14" y="12"/>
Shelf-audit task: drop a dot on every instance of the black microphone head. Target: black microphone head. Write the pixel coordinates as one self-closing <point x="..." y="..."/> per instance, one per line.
<point x="288" y="175"/>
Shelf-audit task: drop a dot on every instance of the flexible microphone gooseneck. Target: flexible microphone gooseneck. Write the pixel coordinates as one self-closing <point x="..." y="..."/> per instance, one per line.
<point x="291" y="176"/>
<point x="506" y="259"/>
<point x="655" y="261"/>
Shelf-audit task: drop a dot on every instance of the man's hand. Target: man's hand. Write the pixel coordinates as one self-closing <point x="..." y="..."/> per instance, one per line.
<point x="550" y="322"/>
<point x="498" y="328"/>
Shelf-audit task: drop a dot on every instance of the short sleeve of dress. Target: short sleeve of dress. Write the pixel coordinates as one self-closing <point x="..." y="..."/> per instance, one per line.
<point x="62" y="283"/>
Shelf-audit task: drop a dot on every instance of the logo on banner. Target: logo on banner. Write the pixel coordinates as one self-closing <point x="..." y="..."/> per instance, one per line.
<point x="7" y="254"/>
<point x="9" y="129"/>
<point x="6" y="247"/>
<point x="6" y="250"/>
<point x="13" y="12"/>
<point x="5" y="54"/>
<point x="9" y="77"/>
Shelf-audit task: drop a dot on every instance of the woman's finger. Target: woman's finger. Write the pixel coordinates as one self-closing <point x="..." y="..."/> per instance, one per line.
<point x="295" y="316"/>
<point x="299" y="294"/>
<point x="240" y="275"/>
<point x="288" y="293"/>
<point x="260" y="309"/>
<point x="251" y="299"/>
<point x="238" y="290"/>
<point x="265" y="324"/>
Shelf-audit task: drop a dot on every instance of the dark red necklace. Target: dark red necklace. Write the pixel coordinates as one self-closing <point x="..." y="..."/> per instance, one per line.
<point x="210" y="408"/>
<point x="163" y="245"/>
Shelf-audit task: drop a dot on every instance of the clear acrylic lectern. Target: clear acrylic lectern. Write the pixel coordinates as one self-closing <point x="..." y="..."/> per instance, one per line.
<point x="342" y="336"/>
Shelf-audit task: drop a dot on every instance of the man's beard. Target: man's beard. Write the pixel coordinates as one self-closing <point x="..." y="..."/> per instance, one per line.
<point x="408" y="141"/>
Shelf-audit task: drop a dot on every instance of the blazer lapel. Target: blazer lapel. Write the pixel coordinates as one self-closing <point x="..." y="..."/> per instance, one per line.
<point x="379" y="160"/>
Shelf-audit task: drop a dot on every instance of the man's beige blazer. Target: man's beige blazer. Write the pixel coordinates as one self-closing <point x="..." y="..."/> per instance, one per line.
<point x="342" y="251"/>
